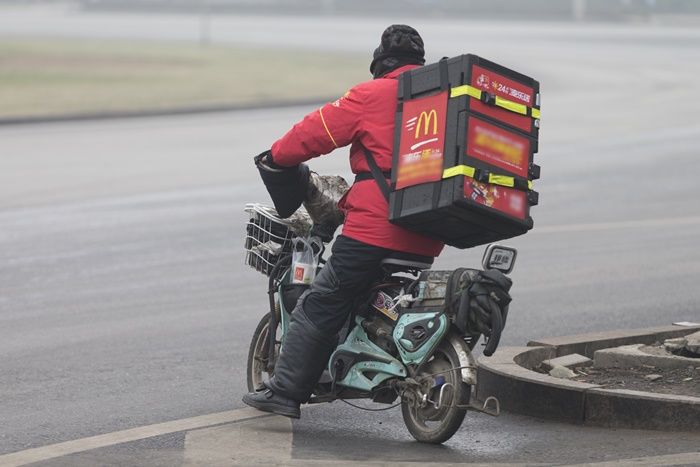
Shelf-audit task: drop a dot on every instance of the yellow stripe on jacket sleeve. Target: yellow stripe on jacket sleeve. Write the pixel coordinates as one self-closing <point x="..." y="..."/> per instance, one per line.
<point x="323" y="120"/>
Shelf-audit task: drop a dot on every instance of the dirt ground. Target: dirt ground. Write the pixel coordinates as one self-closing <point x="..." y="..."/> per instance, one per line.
<point x="684" y="382"/>
<point x="68" y="76"/>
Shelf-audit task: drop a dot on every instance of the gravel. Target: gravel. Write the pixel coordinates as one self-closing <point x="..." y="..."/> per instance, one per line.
<point x="683" y="381"/>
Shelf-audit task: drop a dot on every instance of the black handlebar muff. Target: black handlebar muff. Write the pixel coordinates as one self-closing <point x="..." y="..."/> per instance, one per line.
<point x="496" y="329"/>
<point x="287" y="186"/>
<point x="482" y="311"/>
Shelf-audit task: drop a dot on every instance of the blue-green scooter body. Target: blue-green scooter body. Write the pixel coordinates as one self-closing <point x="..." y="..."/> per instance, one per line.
<point x="369" y="373"/>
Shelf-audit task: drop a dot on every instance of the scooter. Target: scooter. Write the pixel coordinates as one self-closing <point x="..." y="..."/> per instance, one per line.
<point x="411" y="339"/>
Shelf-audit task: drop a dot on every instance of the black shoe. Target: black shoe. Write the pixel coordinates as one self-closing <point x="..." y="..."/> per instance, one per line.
<point x="268" y="401"/>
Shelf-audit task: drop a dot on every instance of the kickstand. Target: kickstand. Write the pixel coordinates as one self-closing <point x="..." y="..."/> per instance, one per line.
<point x="490" y="407"/>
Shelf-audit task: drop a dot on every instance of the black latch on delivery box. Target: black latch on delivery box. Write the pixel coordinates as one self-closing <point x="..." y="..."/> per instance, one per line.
<point x="465" y="134"/>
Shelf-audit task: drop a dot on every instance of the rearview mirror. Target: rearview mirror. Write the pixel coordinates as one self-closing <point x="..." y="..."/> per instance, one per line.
<point x="499" y="257"/>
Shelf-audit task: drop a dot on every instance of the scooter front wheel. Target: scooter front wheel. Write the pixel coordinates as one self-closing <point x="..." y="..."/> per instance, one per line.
<point x="434" y="415"/>
<point x="260" y="362"/>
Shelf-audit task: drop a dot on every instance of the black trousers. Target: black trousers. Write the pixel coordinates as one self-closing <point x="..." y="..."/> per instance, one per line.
<point x="340" y="287"/>
<point x="354" y="266"/>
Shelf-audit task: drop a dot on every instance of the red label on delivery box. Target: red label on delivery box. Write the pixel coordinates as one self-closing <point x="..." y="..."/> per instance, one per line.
<point x="506" y="88"/>
<point x="497" y="146"/>
<point x="507" y="200"/>
<point x="422" y="141"/>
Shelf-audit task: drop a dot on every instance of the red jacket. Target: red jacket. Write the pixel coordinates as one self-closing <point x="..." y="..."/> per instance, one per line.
<point x="364" y="116"/>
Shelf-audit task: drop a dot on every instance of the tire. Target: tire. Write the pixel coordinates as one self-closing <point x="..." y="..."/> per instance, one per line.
<point x="435" y="426"/>
<point x="258" y="366"/>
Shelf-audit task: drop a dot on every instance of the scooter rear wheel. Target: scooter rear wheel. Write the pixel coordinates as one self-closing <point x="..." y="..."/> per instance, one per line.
<point x="260" y="363"/>
<point x="428" y="423"/>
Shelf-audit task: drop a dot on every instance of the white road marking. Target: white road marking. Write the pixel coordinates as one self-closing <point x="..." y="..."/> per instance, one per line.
<point x="269" y="442"/>
<point x="262" y="442"/>
<point x="685" y="458"/>
<point x="380" y="463"/>
<point x="134" y="434"/>
<point x="642" y="223"/>
<point x="263" y="439"/>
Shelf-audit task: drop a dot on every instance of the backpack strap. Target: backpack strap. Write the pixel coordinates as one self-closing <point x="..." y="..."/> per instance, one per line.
<point x="377" y="174"/>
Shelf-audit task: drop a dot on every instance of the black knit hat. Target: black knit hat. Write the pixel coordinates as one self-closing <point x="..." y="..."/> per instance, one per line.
<point x="400" y="45"/>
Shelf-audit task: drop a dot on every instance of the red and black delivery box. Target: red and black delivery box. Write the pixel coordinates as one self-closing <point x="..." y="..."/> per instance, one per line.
<point x="465" y="135"/>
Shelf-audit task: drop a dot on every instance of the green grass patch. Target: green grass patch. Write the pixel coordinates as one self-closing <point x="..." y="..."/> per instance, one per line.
<point x="53" y="77"/>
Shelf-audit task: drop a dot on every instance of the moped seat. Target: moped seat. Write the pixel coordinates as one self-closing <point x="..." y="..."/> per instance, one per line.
<point x="400" y="261"/>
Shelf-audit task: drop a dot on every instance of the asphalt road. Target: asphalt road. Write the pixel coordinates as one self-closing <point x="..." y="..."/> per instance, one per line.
<point x="124" y="300"/>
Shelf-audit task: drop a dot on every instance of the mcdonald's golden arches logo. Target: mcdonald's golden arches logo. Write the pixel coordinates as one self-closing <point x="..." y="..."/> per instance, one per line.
<point x="426" y="118"/>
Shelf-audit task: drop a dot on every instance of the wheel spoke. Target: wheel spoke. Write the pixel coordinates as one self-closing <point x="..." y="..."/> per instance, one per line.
<point x="436" y="425"/>
<point x="261" y="361"/>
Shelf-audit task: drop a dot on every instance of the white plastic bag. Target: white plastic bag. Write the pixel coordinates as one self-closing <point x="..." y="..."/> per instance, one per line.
<point x="305" y="255"/>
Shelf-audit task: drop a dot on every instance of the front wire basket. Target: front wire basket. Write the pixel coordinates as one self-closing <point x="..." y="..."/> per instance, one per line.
<point x="268" y="237"/>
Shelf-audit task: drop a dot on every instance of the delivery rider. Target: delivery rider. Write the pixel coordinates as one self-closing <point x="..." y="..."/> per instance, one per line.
<point x="364" y="119"/>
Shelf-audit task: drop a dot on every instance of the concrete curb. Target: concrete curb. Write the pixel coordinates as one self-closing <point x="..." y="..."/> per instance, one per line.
<point x="508" y="375"/>
<point x="190" y="110"/>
